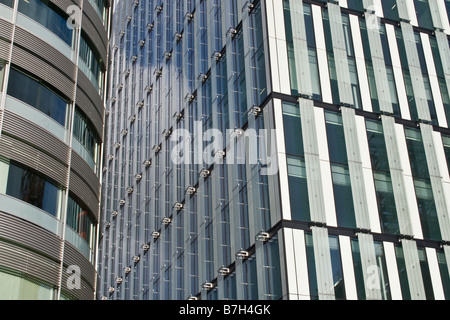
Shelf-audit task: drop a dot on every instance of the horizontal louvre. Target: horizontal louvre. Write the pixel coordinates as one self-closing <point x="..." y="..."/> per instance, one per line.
<point x="37" y="160"/>
<point x="84" y="192"/>
<point x="89" y="107"/>
<point x="98" y="37"/>
<point x="73" y="257"/>
<point x="4" y="49"/>
<point x="25" y="130"/>
<point x="5" y="30"/>
<point x="82" y="168"/>
<point x="29" y="235"/>
<point x="43" y="70"/>
<point x="29" y="263"/>
<point x="64" y="4"/>
<point x="44" y="50"/>
<point x="86" y="292"/>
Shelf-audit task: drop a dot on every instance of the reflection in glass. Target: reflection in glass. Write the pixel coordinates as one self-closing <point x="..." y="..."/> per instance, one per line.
<point x="49" y="15"/>
<point x="36" y="94"/>
<point x="33" y="189"/>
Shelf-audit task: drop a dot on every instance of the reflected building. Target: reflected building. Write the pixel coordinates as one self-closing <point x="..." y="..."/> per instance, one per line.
<point x="52" y="85"/>
<point x="358" y="206"/>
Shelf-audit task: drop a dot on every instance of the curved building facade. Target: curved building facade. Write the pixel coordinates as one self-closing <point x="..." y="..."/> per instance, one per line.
<point x="52" y="72"/>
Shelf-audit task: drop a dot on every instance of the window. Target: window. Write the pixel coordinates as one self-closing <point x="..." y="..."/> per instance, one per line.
<point x="9" y="3"/>
<point x="424" y="14"/>
<point x="92" y="61"/>
<point x="37" y="94"/>
<point x="371" y="72"/>
<point x="445" y="273"/>
<point x="311" y="47"/>
<point x="422" y="184"/>
<point x="446" y="141"/>
<point x="382" y="178"/>
<point x="32" y="188"/>
<point x="335" y="74"/>
<point x="81" y="221"/>
<point x="2" y="74"/>
<point x="101" y="9"/>
<point x="390" y="9"/>
<point x="84" y="132"/>
<point x="336" y="265"/>
<point x="298" y="189"/>
<point x="19" y="286"/>
<point x="403" y="46"/>
<point x="48" y="15"/>
<point x="339" y="170"/>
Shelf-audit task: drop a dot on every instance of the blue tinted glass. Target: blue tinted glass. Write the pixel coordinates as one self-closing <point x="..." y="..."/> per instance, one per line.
<point x="9" y="3"/>
<point x="35" y="94"/>
<point x="33" y="189"/>
<point x="48" y="16"/>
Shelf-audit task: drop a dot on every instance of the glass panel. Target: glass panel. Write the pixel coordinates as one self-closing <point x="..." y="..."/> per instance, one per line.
<point x="382" y="267"/>
<point x="355" y="4"/>
<point x="19" y="287"/>
<point x="9" y="3"/>
<point x="2" y="74"/>
<point x="92" y="61"/>
<point x="426" y="276"/>
<point x="390" y="9"/>
<point x="377" y="146"/>
<point x="49" y="16"/>
<point x="445" y="273"/>
<point x="311" y="262"/>
<point x="298" y="189"/>
<point x="85" y="133"/>
<point x="336" y="138"/>
<point x="81" y="221"/>
<point x="343" y="196"/>
<point x="33" y="189"/>
<point x="416" y="151"/>
<point x="338" y="274"/>
<point x="446" y="141"/>
<point x="424" y="14"/>
<point x="402" y="272"/>
<point x="427" y="210"/>
<point x="293" y="130"/>
<point x="34" y="93"/>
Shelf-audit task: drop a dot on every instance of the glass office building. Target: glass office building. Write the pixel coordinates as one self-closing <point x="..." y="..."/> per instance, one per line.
<point x="328" y="123"/>
<point x="52" y="71"/>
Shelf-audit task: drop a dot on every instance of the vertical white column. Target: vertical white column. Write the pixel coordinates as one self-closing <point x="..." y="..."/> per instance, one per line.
<point x="282" y="160"/>
<point x="369" y="264"/>
<point x="392" y="270"/>
<point x="413" y="270"/>
<point x="435" y="274"/>
<point x="291" y="275"/>
<point x="278" y="47"/>
<point x="348" y="268"/>
<point x="312" y="161"/>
